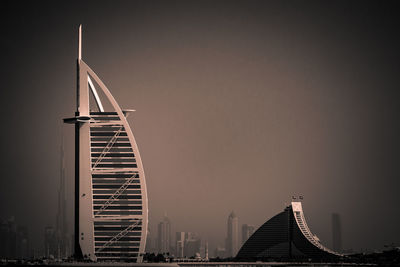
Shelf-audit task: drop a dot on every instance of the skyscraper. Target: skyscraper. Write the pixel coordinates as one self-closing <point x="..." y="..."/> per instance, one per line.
<point x="180" y="244"/>
<point x="61" y="227"/>
<point x="50" y="242"/>
<point x="22" y="242"/>
<point x="164" y="236"/>
<point x="8" y="238"/>
<point x="206" y="250"/>
<point x="14" y="240"/>
<point x="247" y="231"/>
<point x="336" y="233"/>
<point x="232" y="240"/>
<point x="110" y="191"/>
<point x="192" y="245"/>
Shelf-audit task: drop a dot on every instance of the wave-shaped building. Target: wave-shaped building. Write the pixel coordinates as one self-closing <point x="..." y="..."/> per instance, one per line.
<point x="111" y="209"/>
<point x="285" y="235"/>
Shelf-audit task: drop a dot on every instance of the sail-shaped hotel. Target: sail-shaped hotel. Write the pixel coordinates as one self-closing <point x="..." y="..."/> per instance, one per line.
<point x="110" y="189"/>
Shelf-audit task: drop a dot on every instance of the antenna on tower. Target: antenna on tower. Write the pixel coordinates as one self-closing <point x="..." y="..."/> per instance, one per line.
<point x="80" y="43"/>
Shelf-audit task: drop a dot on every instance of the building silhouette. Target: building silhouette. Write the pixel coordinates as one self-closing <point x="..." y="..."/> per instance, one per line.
<point x="14" y="240"/>
<point x="206" y="251"/>
<point x="23" y="248"/>
<point x="192" y="245"/>
<point x="50" y="242"/>
<point x="220" y="252"/>
<point x="285" y="235"/>
<point x="180" y="244"/>
<point x="62" y="235"/>
<point x="4" y="237"/>
<point x="8" y="237"/>
<point x="187" y="245"/>
<point x="111" y="211"/>
<point x="164" y="236"/>
<point x="247" y="231"/>
<point x="232" y="240"/>
<point x="336" y="233"/>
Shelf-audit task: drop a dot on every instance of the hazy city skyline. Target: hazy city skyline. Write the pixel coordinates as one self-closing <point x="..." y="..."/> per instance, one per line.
<point x="240" y="105"/>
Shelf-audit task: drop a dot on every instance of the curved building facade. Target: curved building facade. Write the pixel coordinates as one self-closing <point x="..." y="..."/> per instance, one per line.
<point x="111" y="210"/>
<point x="285" y="235"/>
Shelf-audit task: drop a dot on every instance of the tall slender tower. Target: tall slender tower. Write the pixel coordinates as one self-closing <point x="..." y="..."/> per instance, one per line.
<point x="61" y="227"/>
<point x="180" y="244"/>
<point x="164" y="236"/>
<point x="110" y="191"/>
<point x="232" y="240"/>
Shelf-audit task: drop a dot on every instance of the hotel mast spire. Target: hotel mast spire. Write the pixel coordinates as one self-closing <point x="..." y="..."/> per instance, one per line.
<point x="80" y="43"/>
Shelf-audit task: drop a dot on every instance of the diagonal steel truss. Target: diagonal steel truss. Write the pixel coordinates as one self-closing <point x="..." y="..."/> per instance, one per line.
<point x="119" y="235"/>
<point x="117" y="193"/>
<point x="108" y="147"/>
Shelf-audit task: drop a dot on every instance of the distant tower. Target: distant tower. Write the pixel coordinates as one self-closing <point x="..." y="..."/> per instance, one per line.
<point x="247" y="231"/>
<point x="50" y="242"/>
<point x="206" y="251"/>
<point x="61" y="227"/>
<point x="232" y="241"/>
<point x="164" y="236"/>
<point x="8" y="238"/>
<point x="336" y="233"/>
<point x="22" y="242"/>
<point x="180" y="244"/>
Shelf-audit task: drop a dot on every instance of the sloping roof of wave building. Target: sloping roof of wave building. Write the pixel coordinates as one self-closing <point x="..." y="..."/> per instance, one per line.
<point x="285" y="235"/>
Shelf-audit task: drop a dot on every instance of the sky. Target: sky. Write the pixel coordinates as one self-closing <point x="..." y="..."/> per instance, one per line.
<point x="240" y="105"/>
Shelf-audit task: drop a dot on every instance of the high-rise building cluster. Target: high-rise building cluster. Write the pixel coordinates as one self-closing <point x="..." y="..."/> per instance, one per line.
<point x="14" y="240"/>
<point x="186" y="244"/>
<point x="56" y="246"/>
<point x="232" y="240"/>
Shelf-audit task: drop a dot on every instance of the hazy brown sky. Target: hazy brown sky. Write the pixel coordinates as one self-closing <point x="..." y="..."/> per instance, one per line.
<point x="240" y="105"/>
